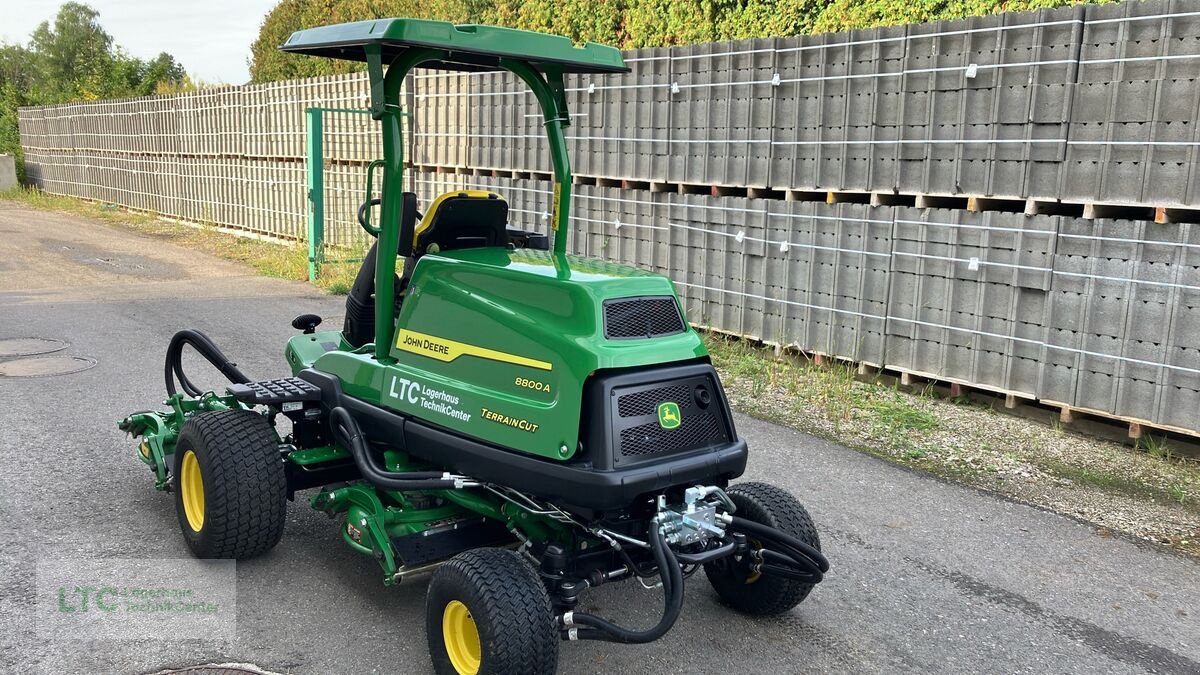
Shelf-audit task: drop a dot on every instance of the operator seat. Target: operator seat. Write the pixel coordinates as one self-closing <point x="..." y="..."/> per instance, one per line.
<point x="462" y="219"/>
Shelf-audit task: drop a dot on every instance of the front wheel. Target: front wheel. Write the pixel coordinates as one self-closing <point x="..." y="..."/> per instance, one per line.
<point x="488" y="612"/>
<point x="739" y="586"/>
<point x="230" y="485"/>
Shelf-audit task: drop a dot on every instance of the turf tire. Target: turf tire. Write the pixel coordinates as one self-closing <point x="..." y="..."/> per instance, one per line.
<point x="245" y="485"/>
<point x="510" y="609"/>
<point x="765" y="595"/>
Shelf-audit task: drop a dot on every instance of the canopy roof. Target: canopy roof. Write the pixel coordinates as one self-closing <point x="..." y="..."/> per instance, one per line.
<point x="471" y="47"/>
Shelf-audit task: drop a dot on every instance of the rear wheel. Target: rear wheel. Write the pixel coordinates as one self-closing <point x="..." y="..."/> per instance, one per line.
<point x="740" y="587"/>
<point x="488" y="612"/>
<point x="230" y="485"/>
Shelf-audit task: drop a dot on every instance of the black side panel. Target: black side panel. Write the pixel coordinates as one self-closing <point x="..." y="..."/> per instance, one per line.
<point x="620" y="425"/>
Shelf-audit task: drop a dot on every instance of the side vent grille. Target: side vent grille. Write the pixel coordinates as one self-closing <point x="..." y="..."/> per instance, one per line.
<point x="646" y="402"/>
<point x="697" y="431"/>
<point x="642" y="317"/>
<point x="639" y="433"/>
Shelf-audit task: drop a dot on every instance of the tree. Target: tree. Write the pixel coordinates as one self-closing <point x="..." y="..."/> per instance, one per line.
<point x="267" y="63"/>
<point x="75" y="54"/>
<point x="69" y="59"/>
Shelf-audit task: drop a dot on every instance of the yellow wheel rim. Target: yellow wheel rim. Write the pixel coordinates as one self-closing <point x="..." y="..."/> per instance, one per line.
<point x="462" y="638"/>
<point x="191" y="491"/>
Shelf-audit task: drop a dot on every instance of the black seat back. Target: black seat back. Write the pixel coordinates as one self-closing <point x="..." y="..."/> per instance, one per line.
<point x="463" y="219"/>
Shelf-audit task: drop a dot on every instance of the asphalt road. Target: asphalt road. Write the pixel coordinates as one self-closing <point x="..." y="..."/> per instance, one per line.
<point x="927" y="576"/>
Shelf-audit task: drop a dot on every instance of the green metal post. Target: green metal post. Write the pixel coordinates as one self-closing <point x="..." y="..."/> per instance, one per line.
<point x="385" y="107"/>
<point x="551" y="95"/>
<point x="316" y="190"/>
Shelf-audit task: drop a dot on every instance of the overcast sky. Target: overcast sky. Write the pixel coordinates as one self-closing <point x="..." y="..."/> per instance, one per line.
<point x="211" y="38"/>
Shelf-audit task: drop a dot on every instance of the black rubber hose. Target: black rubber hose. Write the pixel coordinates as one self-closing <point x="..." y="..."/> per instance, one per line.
<point x="672" y="580"/>
<point x="346" y="431"/>
<point x="209" y="350"/>
<point x="786" y="541"/>
<point x="705" y="556"/>
<point x="778" y="558"/>
<point x="789" y="572"/>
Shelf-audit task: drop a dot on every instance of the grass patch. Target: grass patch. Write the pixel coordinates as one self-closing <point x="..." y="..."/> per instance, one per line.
<point x="899" y="414"/>
<point x="282" y="260"/>
<point x="964" y="441"/>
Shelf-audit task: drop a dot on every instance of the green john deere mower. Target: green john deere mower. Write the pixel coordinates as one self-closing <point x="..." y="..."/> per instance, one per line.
<point x="523" y="423"/>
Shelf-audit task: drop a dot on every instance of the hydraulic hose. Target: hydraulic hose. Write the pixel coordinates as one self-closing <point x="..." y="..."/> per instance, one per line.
<point x="793" y="556"/>
<point x="672" y="581"/>
<point x="790" y="572"/>
<point x="770" y="533"/>
<point x="209" y="350"/>
<point x="346" y="431"/>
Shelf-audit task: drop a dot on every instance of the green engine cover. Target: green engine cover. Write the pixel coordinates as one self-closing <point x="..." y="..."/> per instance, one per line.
<point x="497" y="344"/>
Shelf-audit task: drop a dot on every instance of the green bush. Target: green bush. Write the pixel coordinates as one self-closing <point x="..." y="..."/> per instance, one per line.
<point x="624" y="23"/>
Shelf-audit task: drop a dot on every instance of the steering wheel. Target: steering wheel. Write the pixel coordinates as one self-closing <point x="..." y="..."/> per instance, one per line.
<point x="364" y="216"/>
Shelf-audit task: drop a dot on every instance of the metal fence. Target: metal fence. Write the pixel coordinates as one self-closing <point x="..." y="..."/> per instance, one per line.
<point x="910" y="197"/>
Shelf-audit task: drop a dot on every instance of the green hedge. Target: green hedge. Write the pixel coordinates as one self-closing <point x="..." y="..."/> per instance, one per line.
<point x="627" y="24"/>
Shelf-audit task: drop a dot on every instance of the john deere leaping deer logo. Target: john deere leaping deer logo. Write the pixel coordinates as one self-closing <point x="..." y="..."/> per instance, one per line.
<point x="668" y="415"/>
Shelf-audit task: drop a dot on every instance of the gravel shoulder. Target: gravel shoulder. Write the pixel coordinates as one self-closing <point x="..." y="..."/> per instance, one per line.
<point x="1148" y="492"/>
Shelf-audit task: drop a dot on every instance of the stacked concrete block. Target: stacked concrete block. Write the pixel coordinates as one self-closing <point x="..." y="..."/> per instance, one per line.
<point x="1179" y="395"/>
<point x="1097" y="303"/>
<point x="355" y="137"/>
<point x="732" y="85"/>
<point x="988" y="95"/>
<point x="968" y="296"/>
<point x="794" y="132"/>
<point x="833" y="95"/>
<point x="1137" y="87"/>
<point x="719" y="287"/>
<point x="585" y="101"/>
<point x="700" y="260"/>
<point x="1121" y="325"/>
<point x="860" y="109"/>
<point x="841" y="276"/>
<point x="696" y="108"/>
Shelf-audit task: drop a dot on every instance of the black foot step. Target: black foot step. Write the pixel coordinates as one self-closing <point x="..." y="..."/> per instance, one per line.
<point x="275" y="392"/>
<point x="448" y="539"/>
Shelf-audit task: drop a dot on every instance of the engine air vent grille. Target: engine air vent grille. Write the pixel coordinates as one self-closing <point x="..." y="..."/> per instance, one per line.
<point x="646" y="402"/>
<point x="696" y="431"/>
<point x="642" y="317"/>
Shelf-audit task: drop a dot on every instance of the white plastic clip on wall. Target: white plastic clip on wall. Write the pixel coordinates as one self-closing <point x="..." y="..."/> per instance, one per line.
<point x="775" y="80"/>
<point x="740" y="237"/>
<point x="674" y="87"/>
<point x="972" y="70"/>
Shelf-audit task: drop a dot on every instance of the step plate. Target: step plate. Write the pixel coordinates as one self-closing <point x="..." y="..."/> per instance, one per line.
<point x="275" y="392"/>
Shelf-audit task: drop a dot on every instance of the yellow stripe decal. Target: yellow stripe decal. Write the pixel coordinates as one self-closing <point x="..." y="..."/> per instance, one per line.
<point x="448" y="350"/>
